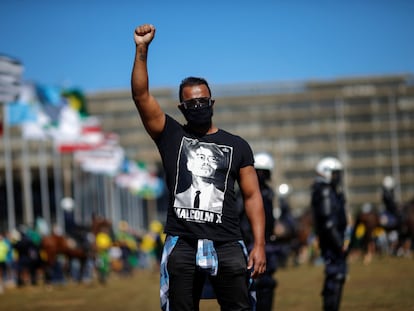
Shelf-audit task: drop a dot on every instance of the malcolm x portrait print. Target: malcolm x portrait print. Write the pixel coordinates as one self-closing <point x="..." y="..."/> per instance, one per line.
<point x="202" y="173"/>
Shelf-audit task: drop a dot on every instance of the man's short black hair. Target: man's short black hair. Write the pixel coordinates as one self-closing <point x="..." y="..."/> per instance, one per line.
<point x="192" y="81"/>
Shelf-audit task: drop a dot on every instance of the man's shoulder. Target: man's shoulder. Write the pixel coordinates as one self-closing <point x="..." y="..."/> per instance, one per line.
<point x="170" y="121"/>
<point x="231" y="136"/>
<point x="172" y="128"/>
<point x="227" y="133"/>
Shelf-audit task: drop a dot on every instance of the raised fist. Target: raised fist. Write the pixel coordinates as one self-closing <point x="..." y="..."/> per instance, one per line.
<point x="144" y="34"/>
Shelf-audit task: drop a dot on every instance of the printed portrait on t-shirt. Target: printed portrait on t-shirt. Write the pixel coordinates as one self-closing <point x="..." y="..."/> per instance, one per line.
<point x="201" y="176"/>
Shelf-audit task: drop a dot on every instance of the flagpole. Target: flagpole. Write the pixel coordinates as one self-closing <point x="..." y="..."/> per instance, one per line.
<point x="392" y="103"/>
<point x="109" y="182"/>
<point x="27" y="185"/>
<point x="44" y="182"/>
<point x="99" y="194"/>
<point x="122" y="205"/>
<point x="77" y="184"/>
<point x="58" y="185"/>
<point x="135" y="210"/>
<point x="116" y="201"/>
<point x="87" y="198"/>
<point x="140" y="207"/>
<point x="8" y="167"/>
<point x="106" y="195"/>
<point x="130" y="217"/>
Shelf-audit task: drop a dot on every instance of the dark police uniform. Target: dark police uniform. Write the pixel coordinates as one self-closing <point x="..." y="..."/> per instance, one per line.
<point x="265" y="284"/>
<point x="328" y="205"/>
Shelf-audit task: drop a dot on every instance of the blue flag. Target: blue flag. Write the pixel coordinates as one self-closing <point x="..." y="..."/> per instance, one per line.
<point x="20" y="112"/>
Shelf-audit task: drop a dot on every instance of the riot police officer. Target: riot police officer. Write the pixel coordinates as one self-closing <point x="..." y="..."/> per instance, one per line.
<point x="390" y="216"/>
<point x="328" y="206"/>
<point x="285" y="227"/>
<point x="265" y="284"/>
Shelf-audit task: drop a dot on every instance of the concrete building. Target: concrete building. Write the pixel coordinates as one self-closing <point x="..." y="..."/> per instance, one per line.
<point x="366" y="122"/>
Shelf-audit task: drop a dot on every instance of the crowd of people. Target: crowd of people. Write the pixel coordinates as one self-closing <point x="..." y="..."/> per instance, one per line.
<point x="31" y="255"/>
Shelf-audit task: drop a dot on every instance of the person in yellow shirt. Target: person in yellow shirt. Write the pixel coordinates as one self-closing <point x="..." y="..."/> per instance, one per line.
<point x="103" y="242"/>
<point x="4" y="250"/>
<point x="129" y="248"/>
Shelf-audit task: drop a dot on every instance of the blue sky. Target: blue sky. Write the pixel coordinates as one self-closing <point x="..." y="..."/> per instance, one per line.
<point x="89" y="44"/>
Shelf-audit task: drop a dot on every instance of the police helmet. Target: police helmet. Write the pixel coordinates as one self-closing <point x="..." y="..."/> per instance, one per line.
<point x="67" y="204"/>
<point x="263" y="161"/>
<point x="284" y="190"/>
<point x="388" y="182"/>
<point x="326" y="166"/>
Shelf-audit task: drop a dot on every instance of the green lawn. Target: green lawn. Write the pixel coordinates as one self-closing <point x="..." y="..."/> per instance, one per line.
<point x="385" y="284"/>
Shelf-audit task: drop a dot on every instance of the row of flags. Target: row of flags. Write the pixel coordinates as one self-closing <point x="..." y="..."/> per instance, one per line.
<point x="47" y="112"/>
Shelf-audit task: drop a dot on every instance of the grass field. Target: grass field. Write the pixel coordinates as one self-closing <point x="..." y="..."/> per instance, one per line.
<point x="386" y="284"/>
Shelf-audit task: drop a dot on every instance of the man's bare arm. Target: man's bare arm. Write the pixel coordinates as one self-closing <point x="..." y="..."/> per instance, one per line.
<point x="253" y="204"/>
<point x="152" y="116"/>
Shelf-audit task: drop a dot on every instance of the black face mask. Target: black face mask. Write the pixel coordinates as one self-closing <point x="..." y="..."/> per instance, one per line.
<point x="263" y="176"/>
<point x="200" y="117"/>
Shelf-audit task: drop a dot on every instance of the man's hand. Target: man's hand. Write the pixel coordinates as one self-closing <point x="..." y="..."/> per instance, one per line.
<point x="257" y="261"/>
<point x="144" y="34"/>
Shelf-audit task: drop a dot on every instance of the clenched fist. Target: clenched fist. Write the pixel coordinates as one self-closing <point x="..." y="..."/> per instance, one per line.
<point x="144" y="34"/>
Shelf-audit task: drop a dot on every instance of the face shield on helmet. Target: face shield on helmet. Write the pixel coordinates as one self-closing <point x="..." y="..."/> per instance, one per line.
<point x="284" y="190"/>
<point x="388" y="183"/>
<point x="330" y="169"/>
<point x="264" y="164"/>
<point x="263" y="161"/>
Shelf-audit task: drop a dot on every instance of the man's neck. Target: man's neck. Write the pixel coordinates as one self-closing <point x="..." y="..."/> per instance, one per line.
<point x="210" y="129"/>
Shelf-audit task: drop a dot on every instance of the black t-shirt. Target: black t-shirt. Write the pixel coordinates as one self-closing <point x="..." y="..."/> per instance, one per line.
<point x="219" y="158"/>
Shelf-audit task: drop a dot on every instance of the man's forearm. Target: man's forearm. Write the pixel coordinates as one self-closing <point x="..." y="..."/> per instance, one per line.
<point x="139" y="78"/>
<point x="152" y="116"/>
<point x="256" y="216"/>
